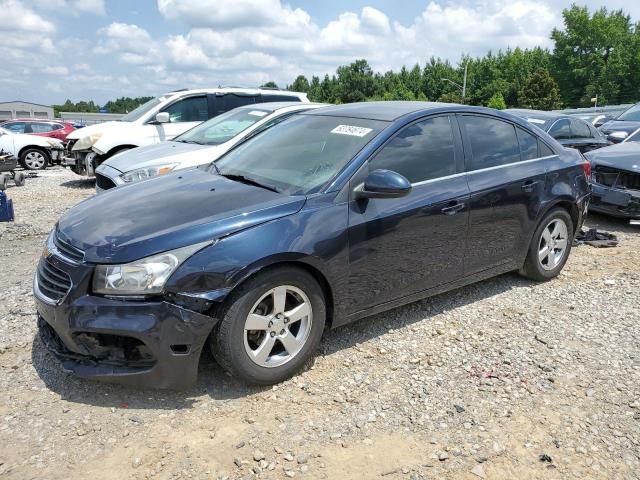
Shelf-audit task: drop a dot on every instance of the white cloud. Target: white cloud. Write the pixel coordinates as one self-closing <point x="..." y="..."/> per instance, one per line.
<point x="19" y="19"/>
<point x="57" y="70"/>
<point x="130" y="43"/>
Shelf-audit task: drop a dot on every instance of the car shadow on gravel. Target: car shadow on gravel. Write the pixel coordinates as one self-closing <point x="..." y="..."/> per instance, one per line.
<point x="81" y="183"/>
<point x="212" y="382"/>
<point x="379" y="324"/>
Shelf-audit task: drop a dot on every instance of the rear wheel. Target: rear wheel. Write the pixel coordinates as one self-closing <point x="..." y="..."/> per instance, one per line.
<point x="550" y="246"/>
<point x="34" y="159"/>
<point x="4" y="180"/>
<point x="270" y="326"/>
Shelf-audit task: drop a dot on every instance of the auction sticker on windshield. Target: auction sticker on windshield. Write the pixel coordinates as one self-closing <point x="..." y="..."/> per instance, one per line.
<point x="351" y="130"/>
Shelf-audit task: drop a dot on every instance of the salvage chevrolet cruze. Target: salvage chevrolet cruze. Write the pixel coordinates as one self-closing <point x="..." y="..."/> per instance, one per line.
<point x="330" y="216"/>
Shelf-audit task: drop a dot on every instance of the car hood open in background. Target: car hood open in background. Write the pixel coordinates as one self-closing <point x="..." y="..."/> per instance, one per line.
<point x="160" y="154"/>
<point x="624" y="156"/>
<point x="168" y="212"/>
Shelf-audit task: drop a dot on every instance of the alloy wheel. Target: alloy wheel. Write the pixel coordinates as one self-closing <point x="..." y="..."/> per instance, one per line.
<point x="278" y="326"/>
<point x="35" y="160"/>
<point x="553" y="244"/>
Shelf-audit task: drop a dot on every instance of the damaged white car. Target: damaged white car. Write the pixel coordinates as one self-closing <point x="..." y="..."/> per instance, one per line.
<point x="33" y="152"/>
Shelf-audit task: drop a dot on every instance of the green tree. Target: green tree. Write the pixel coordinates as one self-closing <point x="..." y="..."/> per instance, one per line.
<point x="355" y="82"/>
<point x="596" y="54"/>
<point x="497" y="101"/>
<point x="300" y="84"/>
<point x="269" y="84"/>
<point x="540" y="92"/>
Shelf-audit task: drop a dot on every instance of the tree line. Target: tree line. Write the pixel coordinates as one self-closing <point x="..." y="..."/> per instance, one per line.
<point x="594" y="54"/>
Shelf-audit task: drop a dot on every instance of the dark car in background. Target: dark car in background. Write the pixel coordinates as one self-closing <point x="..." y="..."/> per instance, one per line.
<point x="44" y="128"/>
<point x="569" y="131"/>
<point x="329" y="216"/>
<point x="624" y="128"/>
<point x="615" y="186"/>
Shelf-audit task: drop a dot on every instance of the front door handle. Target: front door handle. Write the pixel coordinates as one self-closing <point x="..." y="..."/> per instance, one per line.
<point x="452" y="208"/>
<point x="529" y="185"/>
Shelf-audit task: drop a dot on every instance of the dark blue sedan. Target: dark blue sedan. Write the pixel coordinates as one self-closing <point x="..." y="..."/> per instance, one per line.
<point x="330" y="216"/>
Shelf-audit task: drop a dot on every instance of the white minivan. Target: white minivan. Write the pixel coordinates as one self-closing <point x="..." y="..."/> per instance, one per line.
<point x="161" y="118"/>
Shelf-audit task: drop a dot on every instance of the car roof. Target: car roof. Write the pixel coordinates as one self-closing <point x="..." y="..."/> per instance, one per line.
<point x="273" y="106"/>
<point x="251" y="91"/>
<point x="539" y="114"/>
<point x="46" y="120"/>
<point x="384" y="111"/>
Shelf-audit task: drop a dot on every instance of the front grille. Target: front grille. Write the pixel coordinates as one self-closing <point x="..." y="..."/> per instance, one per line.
<point x="104" y="183"/>
<point x="52" y="282"/>
<point x="67" y="250"/>
<point x="612" y="177"/>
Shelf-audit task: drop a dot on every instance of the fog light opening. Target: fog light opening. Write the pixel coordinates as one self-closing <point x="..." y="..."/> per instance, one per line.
<point x="180" y="349"/>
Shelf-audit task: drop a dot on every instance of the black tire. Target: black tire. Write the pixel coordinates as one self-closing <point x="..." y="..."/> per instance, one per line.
<point x="4" y="180"/>
<point x="227" y="341"/>
<point x="533" y="267"/>
<point x="19" y="179"/>
<point x="37" y="151"/>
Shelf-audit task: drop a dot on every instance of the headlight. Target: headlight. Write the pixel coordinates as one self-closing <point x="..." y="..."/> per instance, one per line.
<point x="142" y="277"/>
<point x="85" y="143"/>
<point x="619" y="135"/>
<point x="147" y="172"/>
<point x="54" y="144"/>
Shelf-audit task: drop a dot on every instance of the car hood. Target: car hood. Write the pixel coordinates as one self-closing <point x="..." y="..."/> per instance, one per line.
<point x="106" y="127"/>
<point x="624" y="156"/>
<point x="619" y="126"/>
<point x="168" y="212"/>
<point x="26" y="139"/>
<point x="160" y="154"/>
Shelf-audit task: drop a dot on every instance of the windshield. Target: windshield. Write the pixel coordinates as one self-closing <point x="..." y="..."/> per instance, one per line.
<point x="224" y="127"/>
<point x="135" y="114"/>
<point x="301" y="154"/>
<point x="631" y="115"/>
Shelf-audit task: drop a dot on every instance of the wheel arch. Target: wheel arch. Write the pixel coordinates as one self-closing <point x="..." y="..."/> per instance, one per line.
<point x="35" y="147"/>
<point x="569" y="205"/>
<point x="291" y="260"/>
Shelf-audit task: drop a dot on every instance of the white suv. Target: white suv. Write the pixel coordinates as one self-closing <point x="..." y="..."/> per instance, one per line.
<point x="161" y="118"/>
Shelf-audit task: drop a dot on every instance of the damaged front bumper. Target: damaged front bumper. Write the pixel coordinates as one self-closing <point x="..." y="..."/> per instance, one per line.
<point x="143" y="343"/>
<point x="617" y="202"/>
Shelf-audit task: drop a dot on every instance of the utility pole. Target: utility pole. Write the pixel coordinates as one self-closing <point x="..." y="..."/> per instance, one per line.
<point x="464" y="82"/>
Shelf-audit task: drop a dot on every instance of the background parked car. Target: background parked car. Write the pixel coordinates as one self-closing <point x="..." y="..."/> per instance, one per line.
<point x="199" y="146"/>
<point x="624" y="128"/>
<point x="568" y="130"/>
<point x="44" y="128"/>
<point x="615" y="185"/>
<point x="32" y="151"/>
<point x="160" y="119"/>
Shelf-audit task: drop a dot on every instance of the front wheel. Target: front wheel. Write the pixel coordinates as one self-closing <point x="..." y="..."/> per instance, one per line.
<point x="270" y="326"/>
<point x="34" y="159"/>
<point x="550" y="246"/>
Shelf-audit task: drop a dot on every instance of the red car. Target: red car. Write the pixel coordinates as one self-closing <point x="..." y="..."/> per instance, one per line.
<point x="42" y="127"/>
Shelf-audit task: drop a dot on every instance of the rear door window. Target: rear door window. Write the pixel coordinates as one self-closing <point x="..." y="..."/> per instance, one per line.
<point x="15" y="127"/>
<point x="528" y="144"/>
<point x="190" y="109"/>
<point x="493" y="142"/>
<point x="421" y="151"/>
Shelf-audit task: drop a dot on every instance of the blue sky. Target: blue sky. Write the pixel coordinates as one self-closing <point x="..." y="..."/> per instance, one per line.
<point x="102" y="49"/>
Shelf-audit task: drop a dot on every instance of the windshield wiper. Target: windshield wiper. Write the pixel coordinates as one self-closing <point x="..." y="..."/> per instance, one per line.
<point x="189" y="141"/>
<point x="247" y="180"/>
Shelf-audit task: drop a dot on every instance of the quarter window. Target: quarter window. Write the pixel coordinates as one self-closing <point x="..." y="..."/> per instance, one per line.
<point x="493" y="142"/>
<point x="545" y="150"/>
<point x="190" y="109"/>
<point x="528" y="144"/>
<point x="422" y="151"/>
<point x="580" y="129"/>
<point x="561" y="130"/>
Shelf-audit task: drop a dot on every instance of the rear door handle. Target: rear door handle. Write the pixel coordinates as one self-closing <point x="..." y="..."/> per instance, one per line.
<point x="528" y="185"/>
<point x="453" y="208"/>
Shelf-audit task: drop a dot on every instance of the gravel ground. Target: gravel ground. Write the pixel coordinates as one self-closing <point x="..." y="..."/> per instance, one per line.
<point x="502" y="379"/>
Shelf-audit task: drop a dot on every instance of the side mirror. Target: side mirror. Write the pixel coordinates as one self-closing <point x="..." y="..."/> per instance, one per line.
<point x="163" y="117"/>
<point x="383" y="184"/>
